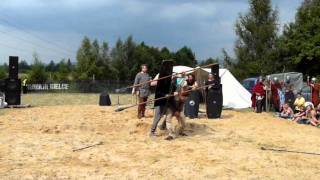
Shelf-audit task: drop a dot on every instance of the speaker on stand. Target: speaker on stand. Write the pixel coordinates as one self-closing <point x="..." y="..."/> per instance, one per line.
<point x="13" y="67"/>
<point x="13" y="84"/>
<point x="2" y="85"/>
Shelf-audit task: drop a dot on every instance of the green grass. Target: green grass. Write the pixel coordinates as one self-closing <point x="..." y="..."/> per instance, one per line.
<point x="57" y="99"/>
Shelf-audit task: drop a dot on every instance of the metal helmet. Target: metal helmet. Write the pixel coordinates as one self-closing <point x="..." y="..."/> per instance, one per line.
<point x="260" y="78"/>
<point x="275" y="79"/>
<point x="288" y="78"/>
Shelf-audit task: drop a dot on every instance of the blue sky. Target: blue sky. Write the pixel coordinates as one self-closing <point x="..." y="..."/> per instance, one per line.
<point x="54" y="29"/>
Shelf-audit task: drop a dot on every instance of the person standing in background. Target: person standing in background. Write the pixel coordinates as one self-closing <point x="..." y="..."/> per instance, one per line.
<point x="275" y="88"/>
<point x="142" y="89"/>
<point x="24" y="86"/>
<point x="315" y="87"/>
<point x="258" y="96"/>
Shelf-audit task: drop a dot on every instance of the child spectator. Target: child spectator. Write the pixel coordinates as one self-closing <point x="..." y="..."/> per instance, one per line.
<point x="287" y="112"/>
<point x="299" y="103"/>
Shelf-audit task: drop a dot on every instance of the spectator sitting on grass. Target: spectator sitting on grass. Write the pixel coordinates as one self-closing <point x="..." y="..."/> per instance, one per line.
<point x="310" y="115"/>
<point x="287" y="112"/>
<point x="315" y="120"/>
<point x="299" y="115"/>
<point x="299" y="103"/>
<point x="318" y="112"/>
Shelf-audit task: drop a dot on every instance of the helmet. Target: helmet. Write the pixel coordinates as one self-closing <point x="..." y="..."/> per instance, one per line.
<point x="275" y="79"/>
<point x="313" y="79"/>
<point x="288" y="78"/>
<point x="261" y="78"/>
<point x="306" y="104"/>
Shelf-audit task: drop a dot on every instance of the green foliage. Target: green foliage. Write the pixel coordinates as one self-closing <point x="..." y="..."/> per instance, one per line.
<point x="24" y="66"/>
<point x="37" y="73"/>
<point x="122" y="62"/>
<point x="255" y="48"/>
<point x="209" y="61"/>
<point x="299" y="45"/>
<point x="3" y="73"/>
<point x="186" y="57"/>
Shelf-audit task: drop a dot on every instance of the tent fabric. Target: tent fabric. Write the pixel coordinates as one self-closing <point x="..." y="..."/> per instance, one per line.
<point x="234" y="94"/>
<point x="296" y="79"/>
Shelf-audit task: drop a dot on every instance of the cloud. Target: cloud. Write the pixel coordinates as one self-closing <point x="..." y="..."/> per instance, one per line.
<point x="206" y="26"/>
<point x="185" y="10"/>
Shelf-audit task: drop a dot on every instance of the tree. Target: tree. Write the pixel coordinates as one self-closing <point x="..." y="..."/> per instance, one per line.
<point x="300" y="42"/>
<point x="64" y="72"/>
<point x="104" y="63"/>
<point x="185" y="56"/>
<point x="37" y="73"/>
<point x="119" y="65"/>
<point x="51" y="67"/>
<point x="24" y="66"/>
<point x="255" y="47"/>
<point x="209" y="61"/>
<point x="3" y="73"/>
<point x="87" y="60"/>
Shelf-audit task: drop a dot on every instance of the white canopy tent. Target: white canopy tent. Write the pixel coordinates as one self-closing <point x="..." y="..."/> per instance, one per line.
<point x="234" y="94"/>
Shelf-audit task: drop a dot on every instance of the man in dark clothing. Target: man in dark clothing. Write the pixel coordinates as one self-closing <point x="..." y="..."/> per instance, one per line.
<point x="211" y="81"/>
<point x="161" y="110"/>
<point x="275" y="87"/>
<point x="142" y="89"/>
<point x="258" y="96"/>
<point x="175" y="109"/>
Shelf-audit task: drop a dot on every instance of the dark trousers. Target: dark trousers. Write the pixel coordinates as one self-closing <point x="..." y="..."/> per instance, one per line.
<point x="158" y="113"/>
<point x="24" y="89"/>
<point x="142" y="107"/>
<point x="260" y="105"/>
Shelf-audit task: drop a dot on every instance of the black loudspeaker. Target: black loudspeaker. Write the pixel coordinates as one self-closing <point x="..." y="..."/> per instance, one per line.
<point x="13" y="85"/>
<point x="215" y="72"/>
<point x="2" y="85"/>
<point x="13" y="67"/>
<point x="13" y="91"/>
<point x="104" y="99"/>
<point x="191" y="106"/>
<point x="13" y="98"/>
<point x="214" y="103"/>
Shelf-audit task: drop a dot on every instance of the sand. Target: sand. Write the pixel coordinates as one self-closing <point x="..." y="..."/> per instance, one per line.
<point x="37" y="143"/>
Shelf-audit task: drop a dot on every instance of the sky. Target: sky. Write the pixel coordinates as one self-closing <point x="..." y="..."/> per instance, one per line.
<point x="55" y="29"/>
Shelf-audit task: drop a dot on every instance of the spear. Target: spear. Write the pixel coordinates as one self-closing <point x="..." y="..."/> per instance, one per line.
<point x="164" y="77"/>
<point x="152" y="100"/>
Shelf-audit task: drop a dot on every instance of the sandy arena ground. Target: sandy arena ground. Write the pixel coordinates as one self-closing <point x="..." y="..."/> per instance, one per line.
<point x="37" y="143"/>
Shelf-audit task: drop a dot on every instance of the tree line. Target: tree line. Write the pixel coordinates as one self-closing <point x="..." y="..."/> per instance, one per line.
<point x="100" y="62"/>
<point x="260" y="49"/>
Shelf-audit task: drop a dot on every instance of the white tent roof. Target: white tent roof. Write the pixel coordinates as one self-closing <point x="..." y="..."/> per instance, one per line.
<point x="234" y="94"/>
<point x="179" y="69"/>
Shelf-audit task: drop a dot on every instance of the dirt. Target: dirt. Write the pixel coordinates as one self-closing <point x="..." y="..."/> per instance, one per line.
<point x="38" y="143"/>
